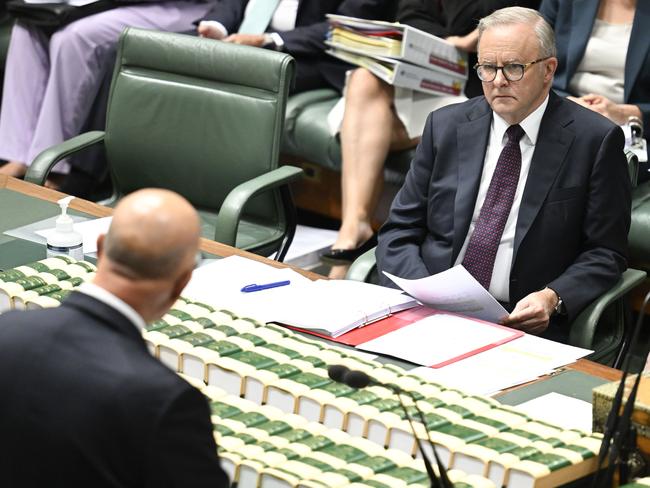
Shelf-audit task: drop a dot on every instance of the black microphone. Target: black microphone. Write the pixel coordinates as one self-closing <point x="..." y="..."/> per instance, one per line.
<point x="359" y="379"/>
<point x="337" y="372"/>
<point x="619" y="438"/>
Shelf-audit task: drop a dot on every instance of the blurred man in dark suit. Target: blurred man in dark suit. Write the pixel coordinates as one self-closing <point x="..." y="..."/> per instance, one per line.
<point x="297" y="27"/>
<point x="84" y="404"/>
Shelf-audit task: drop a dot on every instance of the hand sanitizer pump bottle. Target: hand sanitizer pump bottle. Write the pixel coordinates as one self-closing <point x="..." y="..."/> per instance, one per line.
<point x="65" y="241"/>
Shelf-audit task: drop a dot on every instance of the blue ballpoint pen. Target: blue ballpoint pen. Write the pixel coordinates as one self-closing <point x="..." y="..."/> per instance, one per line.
<point x="266" y="286"/>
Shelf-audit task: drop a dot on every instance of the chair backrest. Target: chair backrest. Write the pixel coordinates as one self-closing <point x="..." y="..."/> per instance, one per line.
<point x="196" y="116"/>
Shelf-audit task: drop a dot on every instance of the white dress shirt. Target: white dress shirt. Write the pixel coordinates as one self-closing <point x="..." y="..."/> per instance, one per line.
<point x="500" y="282"/>
<point x="105" y="296"/>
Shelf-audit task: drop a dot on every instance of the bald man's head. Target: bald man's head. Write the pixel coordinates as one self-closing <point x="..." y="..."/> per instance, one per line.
<point x="154" y="235"/>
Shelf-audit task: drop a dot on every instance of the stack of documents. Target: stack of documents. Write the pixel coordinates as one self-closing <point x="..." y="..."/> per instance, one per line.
<point x="334" y="307"/>
<point x="327" y="307"/>
<point x="399" y="54"/>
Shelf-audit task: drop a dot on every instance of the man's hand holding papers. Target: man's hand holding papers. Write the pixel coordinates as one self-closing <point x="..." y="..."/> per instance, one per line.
<point x="454" y="290"/>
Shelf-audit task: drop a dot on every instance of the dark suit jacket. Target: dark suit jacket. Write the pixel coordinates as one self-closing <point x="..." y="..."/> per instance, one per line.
<point x="573" y="20"/>
<point x="445" y="18"/>
<point x="306" y="41"/>
<point x="84" y="404"/>
<point x="574" y="216"/>
<point x="451" y="17"/>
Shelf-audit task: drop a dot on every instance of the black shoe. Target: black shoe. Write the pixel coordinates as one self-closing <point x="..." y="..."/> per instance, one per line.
<point x="342" y="256"/>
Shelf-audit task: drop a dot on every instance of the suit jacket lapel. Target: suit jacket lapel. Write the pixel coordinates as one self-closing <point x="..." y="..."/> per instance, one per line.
<point x="471" y="138"/>
<point x="638" y="46"/>
<point x="585" y="11"/>
<point x="553" y="143"/>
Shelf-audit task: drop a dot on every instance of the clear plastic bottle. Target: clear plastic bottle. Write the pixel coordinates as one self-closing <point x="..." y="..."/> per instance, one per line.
<point x="64" y="241"/>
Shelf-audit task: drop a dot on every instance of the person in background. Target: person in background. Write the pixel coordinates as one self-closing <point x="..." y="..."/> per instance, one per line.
<point x="527" y="190"/>
<point x="297" y="27"/>
<point x="379" y="118"/>
<point x="604" y="55"/>
<point x="51" y="81"/>
<point x="84" y="403"/>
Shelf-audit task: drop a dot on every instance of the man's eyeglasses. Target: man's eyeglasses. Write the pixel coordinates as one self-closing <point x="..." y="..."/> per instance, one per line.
<point x="511" y="71"/>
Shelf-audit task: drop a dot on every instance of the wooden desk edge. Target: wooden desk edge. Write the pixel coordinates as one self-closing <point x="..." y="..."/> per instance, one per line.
<point x="223" y="250"/>
<point x="91" y="208"/>
<point x="581" y="365"/>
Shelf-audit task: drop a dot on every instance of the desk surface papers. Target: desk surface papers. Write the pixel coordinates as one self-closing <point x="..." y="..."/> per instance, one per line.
<point x="453" y="290"/>
<point x="440" y="339"/>
<point x="514" y="363"/>
<point x="328" y="307"/>
<point x="562" y="410"/>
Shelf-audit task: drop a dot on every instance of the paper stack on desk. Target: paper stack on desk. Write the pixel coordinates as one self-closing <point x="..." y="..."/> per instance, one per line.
<point x="327" y="307"/>
<point x="399" y="54"/>
<point x="334" y="307"/>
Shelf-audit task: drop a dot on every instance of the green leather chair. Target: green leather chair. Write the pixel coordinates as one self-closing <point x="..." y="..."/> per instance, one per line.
<point x="205" y="119"/>
<point x="639" y="237"/>
<point x="603" y="326"/>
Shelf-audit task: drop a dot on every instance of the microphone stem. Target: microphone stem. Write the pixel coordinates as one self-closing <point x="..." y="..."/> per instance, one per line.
<point x="435" y="483"/>
<point x="444" y="480"/>
<point x="617" y="427"/>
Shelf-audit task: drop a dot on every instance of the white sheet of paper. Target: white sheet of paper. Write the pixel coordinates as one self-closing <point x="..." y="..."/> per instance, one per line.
<point x="306" y="242"/>
<point x="90" y="230"/>
<point x="453" y="290"/>
<point x="220" y="282"/>
<point x="80" y="3"/>
<point x="561" y="410"/>
<point x="436" y="339"/>
<point x="518" y="361"/>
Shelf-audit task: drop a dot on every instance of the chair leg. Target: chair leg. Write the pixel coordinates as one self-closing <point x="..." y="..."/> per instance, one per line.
<point x="291" y="221"/>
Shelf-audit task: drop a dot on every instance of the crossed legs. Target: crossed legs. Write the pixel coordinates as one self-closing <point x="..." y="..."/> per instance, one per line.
<point x="370" y="129"/>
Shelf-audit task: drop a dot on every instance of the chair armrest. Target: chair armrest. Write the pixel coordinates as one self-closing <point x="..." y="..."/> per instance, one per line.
<point x="362" y="266"/>
<point x="43" y="163"/>
<point x="583" y="327"/>
<point x="232" y="207"/>
<point x="632" y="167"/>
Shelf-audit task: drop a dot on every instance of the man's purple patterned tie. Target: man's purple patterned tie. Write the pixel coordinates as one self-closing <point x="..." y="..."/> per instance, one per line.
<point x="483" y="245"/>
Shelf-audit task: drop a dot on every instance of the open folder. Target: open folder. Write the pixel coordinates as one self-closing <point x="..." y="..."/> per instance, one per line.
<point x="333" y="307"/>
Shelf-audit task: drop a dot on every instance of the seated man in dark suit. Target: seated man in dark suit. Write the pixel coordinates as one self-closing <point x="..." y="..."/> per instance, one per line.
<point x="527" y="190"/>
<point x="297" y="27"/>
<point x="84" y="404"/>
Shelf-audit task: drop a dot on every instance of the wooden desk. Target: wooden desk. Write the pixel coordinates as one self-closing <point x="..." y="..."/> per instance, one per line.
<point x="595" y="369"/>
<point x="95" y="210"/>
<point x="15" y="214"/>
<point x="217" y="249"/>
